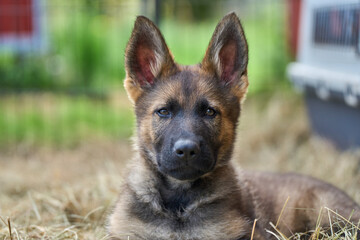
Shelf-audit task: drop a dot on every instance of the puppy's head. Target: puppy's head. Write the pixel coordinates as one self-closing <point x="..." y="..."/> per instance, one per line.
<point x="186" y="115"/>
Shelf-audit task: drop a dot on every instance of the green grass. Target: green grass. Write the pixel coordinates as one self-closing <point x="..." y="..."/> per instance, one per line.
<point x="61" y="121"/>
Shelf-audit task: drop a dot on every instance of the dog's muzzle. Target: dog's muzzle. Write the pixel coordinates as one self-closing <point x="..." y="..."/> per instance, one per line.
<point x="187" y="159"/>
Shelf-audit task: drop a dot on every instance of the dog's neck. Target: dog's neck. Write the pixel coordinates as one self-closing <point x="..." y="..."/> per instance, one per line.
<point x="166" y="194"/>
<point x="176" y="195"/>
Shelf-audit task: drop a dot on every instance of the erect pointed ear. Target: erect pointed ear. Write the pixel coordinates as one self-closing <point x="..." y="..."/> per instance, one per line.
<point x="146" y="58"/>
<point x="227" y="53"/>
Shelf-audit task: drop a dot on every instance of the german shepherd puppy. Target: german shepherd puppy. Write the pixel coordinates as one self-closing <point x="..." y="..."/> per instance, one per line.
<point x="182" y="184"/>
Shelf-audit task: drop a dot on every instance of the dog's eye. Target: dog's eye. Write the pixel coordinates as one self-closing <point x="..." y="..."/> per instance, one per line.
<point x="163" y="112"/>
<point x="210" y="112"/>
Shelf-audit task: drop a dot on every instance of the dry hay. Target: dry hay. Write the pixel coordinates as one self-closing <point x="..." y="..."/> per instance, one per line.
<point x="67" y="194"/>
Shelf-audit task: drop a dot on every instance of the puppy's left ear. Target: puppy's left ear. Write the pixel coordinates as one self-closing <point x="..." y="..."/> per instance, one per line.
<point x="227" y="55"/>
<point x="147" y="58"/>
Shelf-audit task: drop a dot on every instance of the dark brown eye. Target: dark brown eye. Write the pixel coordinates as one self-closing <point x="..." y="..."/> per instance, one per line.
<point x="210" y="112"/>
<point x="163" y="112"/>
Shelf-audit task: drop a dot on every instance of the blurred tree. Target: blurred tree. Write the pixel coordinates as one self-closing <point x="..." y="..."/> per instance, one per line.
<point x="92" y="5"/>
<point x="157" y="12"/>
<point x="202" y="10"/>
<point x="184" y="10"/>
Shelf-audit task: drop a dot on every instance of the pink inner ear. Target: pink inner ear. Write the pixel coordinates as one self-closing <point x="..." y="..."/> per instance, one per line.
<point x="145" y="57"/>
<point x="227" y="58"/>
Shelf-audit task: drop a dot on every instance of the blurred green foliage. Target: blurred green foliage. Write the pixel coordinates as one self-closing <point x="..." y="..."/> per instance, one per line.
<point x="86" y="47"/>
<point x="86" y="55"/>
<point x="19" y="73"/>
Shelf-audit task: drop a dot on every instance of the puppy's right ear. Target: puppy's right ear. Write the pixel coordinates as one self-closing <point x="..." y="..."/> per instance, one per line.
<point x="227" y="55"/>
<point x="147" y="58"/>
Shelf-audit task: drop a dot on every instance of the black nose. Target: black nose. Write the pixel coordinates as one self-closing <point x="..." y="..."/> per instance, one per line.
<point x="186" y="149"/>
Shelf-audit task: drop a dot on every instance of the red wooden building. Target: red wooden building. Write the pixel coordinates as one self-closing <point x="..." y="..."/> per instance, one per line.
<point x="22" y="25"/>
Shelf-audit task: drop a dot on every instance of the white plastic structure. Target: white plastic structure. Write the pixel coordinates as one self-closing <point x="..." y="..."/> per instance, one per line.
<point x="328" y="59"/>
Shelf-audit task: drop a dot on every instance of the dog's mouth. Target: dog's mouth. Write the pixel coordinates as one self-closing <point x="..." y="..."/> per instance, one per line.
<point x="180" y="170"/>
<point x="183" y="173"/>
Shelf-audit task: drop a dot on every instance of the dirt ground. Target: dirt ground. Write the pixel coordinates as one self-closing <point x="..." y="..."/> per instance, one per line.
<point x="68" y="193"/>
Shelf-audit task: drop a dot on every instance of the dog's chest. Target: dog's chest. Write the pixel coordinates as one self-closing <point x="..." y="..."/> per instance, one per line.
<point x="191" y="229"/>
<point x="190" y="223"/>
